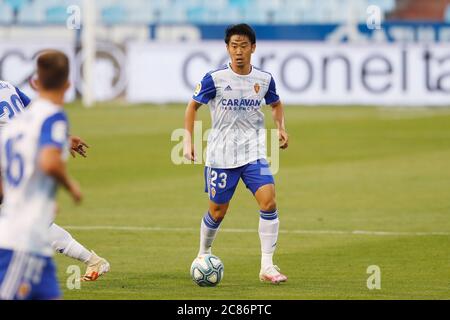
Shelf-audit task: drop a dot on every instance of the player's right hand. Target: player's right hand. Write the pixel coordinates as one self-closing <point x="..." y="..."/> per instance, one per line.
<point x="189" y="153"/>
<point x="75" y="192"/>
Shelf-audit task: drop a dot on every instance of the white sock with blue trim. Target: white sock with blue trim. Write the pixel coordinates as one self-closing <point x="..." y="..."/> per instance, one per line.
<point x="268" y="234"/>
<point x="208" y="231"/>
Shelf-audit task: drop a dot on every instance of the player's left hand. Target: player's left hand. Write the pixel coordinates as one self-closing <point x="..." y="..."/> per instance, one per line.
<point x="77" y="145"/>
<point x="283" y="138"/>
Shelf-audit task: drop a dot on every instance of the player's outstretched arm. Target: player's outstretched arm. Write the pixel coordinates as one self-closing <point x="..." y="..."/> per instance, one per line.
<point x="51" y="163"/>
<point x="278" y="118"/>
<point x="189" y="119"/>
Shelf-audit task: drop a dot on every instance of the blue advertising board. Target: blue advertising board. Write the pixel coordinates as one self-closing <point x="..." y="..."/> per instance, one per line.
<point x="389" y="32"/>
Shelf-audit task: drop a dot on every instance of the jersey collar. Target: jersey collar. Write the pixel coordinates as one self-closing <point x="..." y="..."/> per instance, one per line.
<point x="240" y="75"/>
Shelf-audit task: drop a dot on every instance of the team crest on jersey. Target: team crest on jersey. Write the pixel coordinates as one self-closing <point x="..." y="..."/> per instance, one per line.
<point x="213" y="192"/>
<point x="197" y="89"/>
<point x="256" y="87"/>
<point x="24" y="290"/>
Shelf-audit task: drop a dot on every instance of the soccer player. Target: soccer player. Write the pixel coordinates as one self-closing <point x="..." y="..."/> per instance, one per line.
<point x="236" y="145"/>
<point x="12" y="102"/>
<point x="34" y="148"/>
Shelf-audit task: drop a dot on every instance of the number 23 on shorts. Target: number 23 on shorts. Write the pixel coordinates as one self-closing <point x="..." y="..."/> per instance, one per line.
<point x="221" y="184"/>
<point x="221" y="179"/>
<point x="217" y="185"/>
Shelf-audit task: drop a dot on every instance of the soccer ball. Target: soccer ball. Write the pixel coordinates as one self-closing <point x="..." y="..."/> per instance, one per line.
<point x="207" y="270"/>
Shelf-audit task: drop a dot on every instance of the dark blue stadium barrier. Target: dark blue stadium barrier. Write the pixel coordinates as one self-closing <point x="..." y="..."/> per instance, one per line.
<point x="390" y="31"/>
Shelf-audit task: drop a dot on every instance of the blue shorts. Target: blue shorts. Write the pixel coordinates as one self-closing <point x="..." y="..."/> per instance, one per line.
<point x="27" y="276"/>
<point x="220" y="184"/>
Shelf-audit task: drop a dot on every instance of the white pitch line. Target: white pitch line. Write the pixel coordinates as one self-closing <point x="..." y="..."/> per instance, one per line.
<point x="354" y="232"/>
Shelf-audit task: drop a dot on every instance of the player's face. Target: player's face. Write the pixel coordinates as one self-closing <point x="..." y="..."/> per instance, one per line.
<point x="240" y="50"/>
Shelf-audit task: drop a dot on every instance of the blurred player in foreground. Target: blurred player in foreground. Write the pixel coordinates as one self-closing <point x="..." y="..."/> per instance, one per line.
<point x="12" y="102"/>
<point x="33" y="151"/>
<point x="236" y="145"/>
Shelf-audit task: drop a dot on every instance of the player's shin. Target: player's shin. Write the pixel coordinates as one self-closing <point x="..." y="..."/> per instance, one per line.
<point x="268" y="234"/>
<point x="208" y="231"/>
<point x="63" y="242"/>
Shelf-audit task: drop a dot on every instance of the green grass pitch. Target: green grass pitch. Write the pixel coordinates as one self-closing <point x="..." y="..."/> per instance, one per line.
<point x="347" y="169"/>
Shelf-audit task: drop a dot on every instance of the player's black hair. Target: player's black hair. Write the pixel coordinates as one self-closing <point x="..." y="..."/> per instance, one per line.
<point x="241" y="29"/>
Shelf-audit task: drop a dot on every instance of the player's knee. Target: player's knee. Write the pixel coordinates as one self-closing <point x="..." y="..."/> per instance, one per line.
<point x="268" y="205"/>
<point x="218" y="213"/>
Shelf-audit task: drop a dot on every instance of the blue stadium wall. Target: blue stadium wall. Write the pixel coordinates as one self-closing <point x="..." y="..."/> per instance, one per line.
<point x="391" y="31"/>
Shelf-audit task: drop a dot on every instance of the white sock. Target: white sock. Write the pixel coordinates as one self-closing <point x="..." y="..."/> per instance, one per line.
<point x="268" y="234"/>
<point x="208" y="231"/>
<point x="64" y="243"/>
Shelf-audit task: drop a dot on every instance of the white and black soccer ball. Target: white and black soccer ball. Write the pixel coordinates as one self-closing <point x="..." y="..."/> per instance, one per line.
<point x="207" y="270"/>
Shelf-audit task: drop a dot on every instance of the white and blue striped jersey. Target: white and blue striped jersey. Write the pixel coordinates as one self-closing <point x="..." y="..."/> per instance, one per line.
<point x="12" y="102"/>
<point x="238" y="134"/>
<point x="29" y="203"/>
